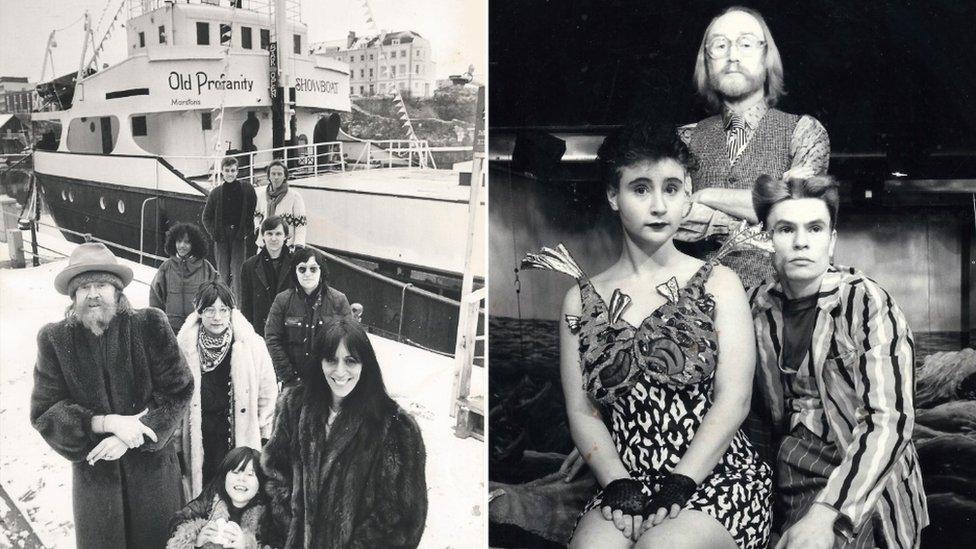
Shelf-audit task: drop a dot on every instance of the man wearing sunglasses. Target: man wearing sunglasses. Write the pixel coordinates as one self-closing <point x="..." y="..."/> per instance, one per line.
<point x="740" y="74"/>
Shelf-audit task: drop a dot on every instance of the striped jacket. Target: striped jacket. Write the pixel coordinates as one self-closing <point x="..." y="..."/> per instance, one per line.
<point x="862" y="356"/>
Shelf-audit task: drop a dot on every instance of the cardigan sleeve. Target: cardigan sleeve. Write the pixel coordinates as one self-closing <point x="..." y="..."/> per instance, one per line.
<point x="63" y="423"/>
<point x="400" y="511"/>
<point x="884" y="381"/>
<point x="172" y="383"/>
<point x="276" y="460"/>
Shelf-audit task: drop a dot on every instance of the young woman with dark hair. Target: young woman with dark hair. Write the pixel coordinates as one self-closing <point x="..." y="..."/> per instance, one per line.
<point x="299" y="313"/>
<point x="179" y="277"/>
<point x="230" y="512"/>
<point x="234" y="390"/>
<point x="345" y="464"/>
<point x="653" y="405"/>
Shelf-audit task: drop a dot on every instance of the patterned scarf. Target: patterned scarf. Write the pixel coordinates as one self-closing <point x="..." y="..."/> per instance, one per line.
<point x="275" y="198"/>
<point x="213" y="348"/>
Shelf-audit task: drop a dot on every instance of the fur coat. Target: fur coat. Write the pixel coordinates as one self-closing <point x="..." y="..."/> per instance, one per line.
<point x="187" y="523"/>
<point x="126" y="502"/>
<point x="255" y="392"/>
<point x="358" y="488"/>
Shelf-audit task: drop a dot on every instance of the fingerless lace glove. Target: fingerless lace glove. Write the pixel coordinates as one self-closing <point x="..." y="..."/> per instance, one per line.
<point x="675" y="488"/>
<point x="626" y="495"/>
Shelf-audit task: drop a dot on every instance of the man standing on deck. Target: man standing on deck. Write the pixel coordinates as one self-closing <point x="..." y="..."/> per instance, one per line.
<point x="836" y="373"/>
<point x="110" y="387"/>
<point x="266" y="274"/>
<point x="739" y="72"/>
<point x="228" y="216"/>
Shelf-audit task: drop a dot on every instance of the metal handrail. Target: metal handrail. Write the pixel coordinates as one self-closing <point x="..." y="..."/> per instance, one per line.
<point x="89" y="238"/>
<point x="142" y="225"/>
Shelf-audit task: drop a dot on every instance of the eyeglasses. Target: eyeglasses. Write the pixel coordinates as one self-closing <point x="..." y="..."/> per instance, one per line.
<point x="211" y="312"/>
<point x="749" y="45"/>
<point x="302" y="268"/>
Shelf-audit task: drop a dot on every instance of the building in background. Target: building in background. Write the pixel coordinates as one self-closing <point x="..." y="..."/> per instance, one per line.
<point x="16" y="95"/>
<point x="403" y="59"/>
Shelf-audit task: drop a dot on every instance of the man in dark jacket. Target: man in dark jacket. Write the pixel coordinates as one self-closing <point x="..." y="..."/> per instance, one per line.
<point x="110" y="387"/>
<point x="265" y="275"/>
<point x="299" y="313"/>
<point x="228" y="216"/>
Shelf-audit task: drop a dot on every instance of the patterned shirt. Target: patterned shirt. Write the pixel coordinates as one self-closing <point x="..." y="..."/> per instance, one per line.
<point x="809" y="146"/>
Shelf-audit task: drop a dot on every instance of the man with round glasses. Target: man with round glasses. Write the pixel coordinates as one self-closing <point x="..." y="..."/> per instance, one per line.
<point x="740" y="74"/>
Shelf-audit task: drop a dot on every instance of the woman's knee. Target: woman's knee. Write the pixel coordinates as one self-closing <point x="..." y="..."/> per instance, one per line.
<point x="594" y="531"/>
<point x="690" y="530"/>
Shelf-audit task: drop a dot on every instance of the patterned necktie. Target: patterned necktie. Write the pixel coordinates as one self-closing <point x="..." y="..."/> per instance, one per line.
<point x="736" y="136"/>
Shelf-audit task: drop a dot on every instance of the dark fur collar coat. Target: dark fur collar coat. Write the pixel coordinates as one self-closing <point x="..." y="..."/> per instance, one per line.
<point x="127" y="502"/>
<point x="358" y="488"/>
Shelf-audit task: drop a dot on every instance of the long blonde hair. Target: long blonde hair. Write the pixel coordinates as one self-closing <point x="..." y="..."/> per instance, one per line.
<point x="772" y="62"/>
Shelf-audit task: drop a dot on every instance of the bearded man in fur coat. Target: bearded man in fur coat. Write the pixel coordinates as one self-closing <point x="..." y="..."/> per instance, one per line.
<point x="110" y="387"/>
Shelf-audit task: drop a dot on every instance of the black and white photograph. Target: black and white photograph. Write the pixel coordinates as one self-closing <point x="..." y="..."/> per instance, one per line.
<point x="731" y="265"/>
<point x="243" y="274"/>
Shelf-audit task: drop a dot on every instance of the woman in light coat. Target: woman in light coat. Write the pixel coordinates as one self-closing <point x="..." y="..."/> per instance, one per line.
<point x="234" y="389"/>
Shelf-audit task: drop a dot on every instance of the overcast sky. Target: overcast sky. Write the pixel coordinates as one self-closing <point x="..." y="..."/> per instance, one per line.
<point x="456" y="29"/>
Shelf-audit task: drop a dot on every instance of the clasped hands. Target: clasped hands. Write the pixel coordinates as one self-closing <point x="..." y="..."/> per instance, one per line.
<point x="127" y="432"/>
<point x="221" y="532"/>
<point x="632" y="512"/>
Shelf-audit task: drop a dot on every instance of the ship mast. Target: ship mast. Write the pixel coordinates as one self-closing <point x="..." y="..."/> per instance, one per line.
<point x="280" y="79"/>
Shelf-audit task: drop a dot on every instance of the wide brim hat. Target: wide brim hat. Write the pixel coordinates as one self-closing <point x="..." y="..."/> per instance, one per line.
<point x="88" y="258"/>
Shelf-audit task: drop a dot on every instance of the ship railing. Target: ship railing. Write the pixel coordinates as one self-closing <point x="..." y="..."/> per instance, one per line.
<point x="301" y="160"/>
<point x="316" y="158"/>
<point x="392" y="153"/>
<point x="399" y="310"/>
<point x="293" y="7"/>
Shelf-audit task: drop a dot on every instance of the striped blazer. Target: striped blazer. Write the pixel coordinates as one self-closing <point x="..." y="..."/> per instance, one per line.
<point x="862" y="356"/>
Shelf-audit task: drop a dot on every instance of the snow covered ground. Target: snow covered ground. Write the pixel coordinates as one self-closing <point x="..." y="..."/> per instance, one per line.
<point x="39" y="481"/>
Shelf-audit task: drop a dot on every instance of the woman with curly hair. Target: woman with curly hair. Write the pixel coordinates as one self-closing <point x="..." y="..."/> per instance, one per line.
<point x="654" y="407"/>
<point x="179" y="277"/>
<point x="230" y="512"/>
<point x="345" y="463"/>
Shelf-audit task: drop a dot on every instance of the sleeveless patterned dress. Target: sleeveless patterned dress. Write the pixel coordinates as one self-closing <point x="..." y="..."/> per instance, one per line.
<point x="655" y="382"/>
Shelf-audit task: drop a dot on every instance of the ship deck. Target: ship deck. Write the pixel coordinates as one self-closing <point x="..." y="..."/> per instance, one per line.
<point x="404" y="182"/>
<point x="38" y="480"/>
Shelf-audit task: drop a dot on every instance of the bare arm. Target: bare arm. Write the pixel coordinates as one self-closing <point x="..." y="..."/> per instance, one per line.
<point x="733" y="377"/>
<point x="586" y="425"/>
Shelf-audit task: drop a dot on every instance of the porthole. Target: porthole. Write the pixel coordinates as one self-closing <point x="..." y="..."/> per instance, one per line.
<point x="101" y="202"/>
<point x="91" y="127"/>
<point x="121" y="206"/>
<point x="64" y="195"/>
<point x="71" y="196"/>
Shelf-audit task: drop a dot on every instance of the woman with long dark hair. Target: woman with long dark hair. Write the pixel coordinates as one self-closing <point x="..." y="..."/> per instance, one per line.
<point x="299" y="313"/>
<point x="230" y="512"/>
<point x="179" y="277"/>
<point x="345" y="463"/>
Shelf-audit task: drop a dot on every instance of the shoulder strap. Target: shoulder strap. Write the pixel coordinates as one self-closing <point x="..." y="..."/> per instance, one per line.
<point x="554" y="259"/>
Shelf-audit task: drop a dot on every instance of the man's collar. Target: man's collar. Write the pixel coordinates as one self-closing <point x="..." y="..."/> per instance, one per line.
<point x="752" y="116"/>
<point x="770" y="293"/>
